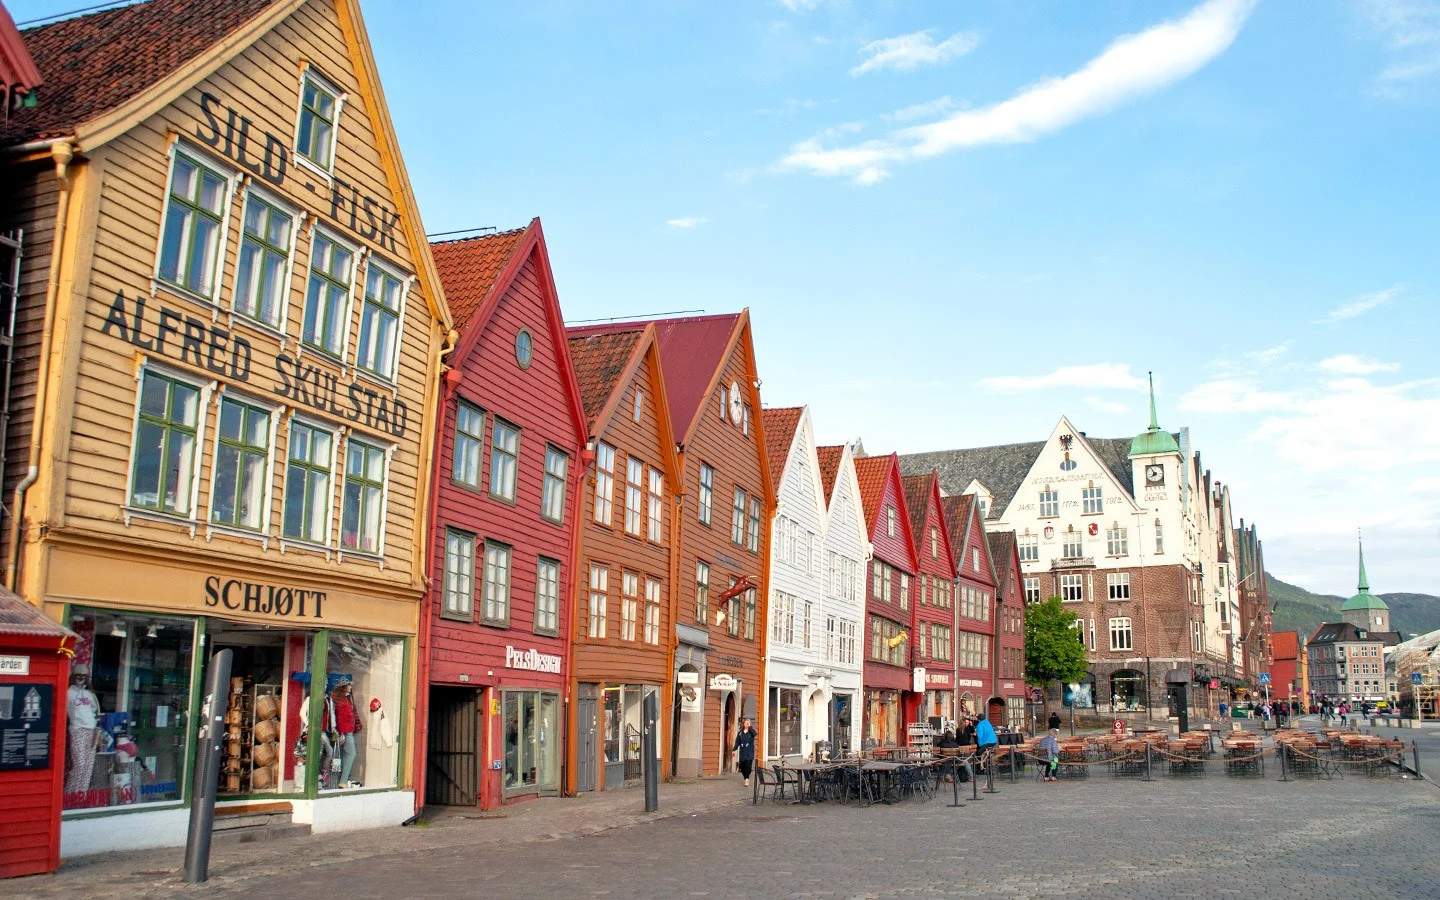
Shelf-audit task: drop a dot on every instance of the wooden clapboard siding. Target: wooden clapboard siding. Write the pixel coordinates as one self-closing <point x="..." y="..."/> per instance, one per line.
<point x="845" y="536"/>
<point x="93" y="418"/>
<point x="898" y="550"/>
<point x="936" y="564"/>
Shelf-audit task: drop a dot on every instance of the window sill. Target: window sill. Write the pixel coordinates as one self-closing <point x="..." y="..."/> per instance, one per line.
<point x="159" y="285"/>
<point x="274" y="331"/>
<point x="149" y="515"/>
<point x="313" y="167"/>
<point x="389" y="384"/>
<point x="259" y="536"/>
<point x="495" y="623"/>
<point x="501" y="500"/>
<point x="298" y="544"/>
<point x="376" y="558"/>
<point x="463" y="618"/>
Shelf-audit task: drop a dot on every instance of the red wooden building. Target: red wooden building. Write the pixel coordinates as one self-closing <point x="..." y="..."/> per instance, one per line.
<point x="934" y="596"/>
<point x="496" y="622"/>
<point x="1008" y="657"/>
<point x="974" y="604"/>
<point x="891" y="701"/>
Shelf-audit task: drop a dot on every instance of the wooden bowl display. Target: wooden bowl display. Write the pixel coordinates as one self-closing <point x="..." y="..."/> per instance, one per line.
<point x="262" y="778"/>
<point x="265" y="754"/>
<point x="265" y="731"/>
<point x="266" y="707"/>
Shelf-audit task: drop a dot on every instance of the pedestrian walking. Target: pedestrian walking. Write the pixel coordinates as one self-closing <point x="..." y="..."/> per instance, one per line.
<point x="1049" y="748"/>
<point x="1053" y="722"/>
<point x="745" y="749"/>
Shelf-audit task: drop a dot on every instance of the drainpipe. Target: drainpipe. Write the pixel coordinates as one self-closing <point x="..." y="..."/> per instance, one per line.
<point x="62" y="152"/>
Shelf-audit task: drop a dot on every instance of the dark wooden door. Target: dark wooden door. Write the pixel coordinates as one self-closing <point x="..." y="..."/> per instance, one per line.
<point x="585" y="751"/>
<point x="452" y="763"/>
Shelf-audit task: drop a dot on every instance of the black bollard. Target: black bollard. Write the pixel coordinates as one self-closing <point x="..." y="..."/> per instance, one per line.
<point x="955" y="782"/>
<point x="974" y="784"/>
<point x="1284" y="770"/>
<point x="207" y="768"/>
<point x="1415" y="752"/>
<point x="990" y="773"/>
<point x="1147" y="763"/>
<point x="1012" y="763"/>
<point x="651" y="770"/>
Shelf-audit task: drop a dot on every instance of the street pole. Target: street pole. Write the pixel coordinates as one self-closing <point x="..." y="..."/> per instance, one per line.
<point x="647" y="749"/>
<point x="207" y="768"/>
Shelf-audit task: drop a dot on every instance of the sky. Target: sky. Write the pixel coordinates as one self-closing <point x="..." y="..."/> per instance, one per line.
<point x="953" y="222"/>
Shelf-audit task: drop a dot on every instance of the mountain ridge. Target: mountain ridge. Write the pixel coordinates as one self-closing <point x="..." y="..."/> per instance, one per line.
<point x="1297" y="609"/>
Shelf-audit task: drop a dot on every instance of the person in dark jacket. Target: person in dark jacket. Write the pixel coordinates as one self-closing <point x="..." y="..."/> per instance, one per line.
<point x="1054" y="721"/>
<point x="745" y="748"/>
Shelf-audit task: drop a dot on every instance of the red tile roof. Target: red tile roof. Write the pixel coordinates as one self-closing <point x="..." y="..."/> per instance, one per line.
<point x="599" y="361"/>
<point x="830" y="467"/>
<point x="692" y="348"/>
<point x="780" y="425"/>
<point x="469" y="267"/>
<point x="95" y="63"/>
<point x="872" y="471"/>
<point x="956" y="510"/>
<point x="1002" y="551"/>
<point x="1285" y="645"/>
<point x="917" y="497"/>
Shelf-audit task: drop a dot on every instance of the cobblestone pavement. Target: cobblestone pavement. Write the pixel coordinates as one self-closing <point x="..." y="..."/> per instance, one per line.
<point x="1098" y="837"/>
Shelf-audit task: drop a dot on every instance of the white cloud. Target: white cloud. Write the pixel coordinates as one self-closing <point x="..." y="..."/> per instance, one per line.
<point x="1103" y="376"/>
<point x="1109" y="406"/>
<point x="920" y="110"/>
<point x="1132" y="66"/>
<point x="800" y="7"/>
<point x="1272" y="354"/>
<point x="1410" y="30"/>
<point x="687" y="222"/>
<point x="911" y="51"/>
<point x="1359" y="306"/>
<point x="1233" y="395"/>
<point x="1349" y="364"/>
<point x="1357" y="425"/>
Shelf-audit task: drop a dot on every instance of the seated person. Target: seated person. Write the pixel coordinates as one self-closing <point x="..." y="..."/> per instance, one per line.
<point x="947" y="741"/>
<point x="1049" y="748"/>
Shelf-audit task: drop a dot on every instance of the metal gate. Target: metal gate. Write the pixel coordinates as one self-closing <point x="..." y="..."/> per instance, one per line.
<point x="585" y="751"/>
<point x="452" y="762"/>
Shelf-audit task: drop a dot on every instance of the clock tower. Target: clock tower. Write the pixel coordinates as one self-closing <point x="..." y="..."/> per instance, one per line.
<point x="1150" y="452"/>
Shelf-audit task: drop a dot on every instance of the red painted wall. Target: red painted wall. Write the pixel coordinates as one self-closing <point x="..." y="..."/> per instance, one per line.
<point x="30" y="798"/>
<point x="976" y="578"/>
<point x="899" y="552"/>
<point x="939" y="674"/>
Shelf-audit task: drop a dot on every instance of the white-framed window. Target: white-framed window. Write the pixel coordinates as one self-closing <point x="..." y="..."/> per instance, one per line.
<point x="655" y="507"/>
<point x="707" y="493"/>
<point x="639" y="405"/>
<point x="629" y="605"/>
<point x="832" y="639"/>
<point x="1120" y="636"/>
<point x="362" y="508"/>
<point x="702" y="592"/>
<point x="1091" y="501"/>
<point x="806" y="624"/>
<point x="497" y="585"/>
<point x="890" y="521"/>
<point x="318" y="123"/>
<point x="167" y="443"/>
<point x="1159" y="538"/>
<point x="934" y="542"/>
<point x="599" y="596"/>
<point x="737" y="518"/>
<point x="262" y="270"/>
<point x="904" y="590"/>
<point x="1072" y="587"/>
<point x="1073" y="545"/>
<point x="308" y="467"/>
<point x="504" y="459"/>
<point x="1079" y="626"/>
<point x="547" y="596"/>
<point x="458" y="601"/>
<point x="652" y="611"/>
<point x="240" y="480"/>
<point x="849" y="641"/>
<point x="469" y="439"/>
<point x="984" y="506"/>
<point x="783" y="628"/>
<point x="604" y="483"/>
<point x="1049" y="503"/>
<point x="975" y="559"/>
<point x="327" y="293"/>
<point x="634" y="494"/>
<point x="381" y="313"/>
<point x="1029" y="545"/>
<point x="552" y="495"/>
<point x="192" y="232"/>
<point x="752" y="535"/>
<point x="1117" y="541"/>
<point x="1119" y="585"/>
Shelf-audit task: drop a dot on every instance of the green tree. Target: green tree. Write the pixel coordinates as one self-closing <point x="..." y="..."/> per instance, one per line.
<point x="1052" y="651"/>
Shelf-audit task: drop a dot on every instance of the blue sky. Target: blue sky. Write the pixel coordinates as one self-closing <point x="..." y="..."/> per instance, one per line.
<point x="955" y="221"/>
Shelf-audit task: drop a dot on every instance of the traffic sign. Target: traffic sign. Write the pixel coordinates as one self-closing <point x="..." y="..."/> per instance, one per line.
<point x="1415" y="678"/>
<point x="1264" y="677"/>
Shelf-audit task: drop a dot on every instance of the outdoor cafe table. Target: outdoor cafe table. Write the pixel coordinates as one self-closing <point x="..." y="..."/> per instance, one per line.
<point x="808" y="774"/>
<point x="883" y="774"/>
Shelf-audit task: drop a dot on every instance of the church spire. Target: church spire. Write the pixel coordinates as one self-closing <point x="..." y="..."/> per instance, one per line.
<point x="1153" y="440"/>
<point x="1154" y="420"/>
<point x="1364" y="585"/>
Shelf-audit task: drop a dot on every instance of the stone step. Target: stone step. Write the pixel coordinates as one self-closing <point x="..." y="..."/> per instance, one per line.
<point x="253" y="834"/>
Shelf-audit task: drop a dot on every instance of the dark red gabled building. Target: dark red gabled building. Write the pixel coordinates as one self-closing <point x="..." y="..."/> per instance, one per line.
<point x="891" y="700"/>
<point x="496" y="621"/>
<point x="974" y="604"/>
<point x="933" y="597"/>
<point x="1008" y="657"/>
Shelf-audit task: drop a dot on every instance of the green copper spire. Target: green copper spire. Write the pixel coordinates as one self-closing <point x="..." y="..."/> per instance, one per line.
<point x="1364" y="584"/>
<point x="1155" y="439"/>
<point x="1363" y="599"/>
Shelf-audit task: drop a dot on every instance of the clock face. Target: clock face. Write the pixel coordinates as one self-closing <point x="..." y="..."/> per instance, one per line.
<point x="737" y="406"/>
<point x="1154" y="474"/>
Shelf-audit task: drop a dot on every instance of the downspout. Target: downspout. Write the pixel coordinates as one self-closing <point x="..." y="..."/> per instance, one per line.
<point x="62" y="152"/>
<point x="569" y="781"/>
<point x="422" y="665"/>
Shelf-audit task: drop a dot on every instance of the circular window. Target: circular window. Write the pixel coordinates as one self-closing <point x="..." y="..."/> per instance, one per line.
<point x="524" y="348"/>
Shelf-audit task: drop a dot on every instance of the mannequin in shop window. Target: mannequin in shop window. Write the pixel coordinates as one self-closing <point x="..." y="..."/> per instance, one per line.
<point x="342" y="720"/>
<point x="82" y="711"/>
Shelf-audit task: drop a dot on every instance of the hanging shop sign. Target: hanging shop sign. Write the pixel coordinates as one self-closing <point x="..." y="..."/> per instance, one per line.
<point x="689" y="698"/>
<point x="26" y="714"/>
<point x="687" y="677"/>
<point x="723" y="683"/>
<point x="264" y="599"/>
<point x="531" y="660"/>
<point x="918" y="680"/>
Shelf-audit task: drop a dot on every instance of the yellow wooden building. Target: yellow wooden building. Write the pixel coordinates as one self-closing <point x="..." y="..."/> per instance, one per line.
<point x="227" y="330"/>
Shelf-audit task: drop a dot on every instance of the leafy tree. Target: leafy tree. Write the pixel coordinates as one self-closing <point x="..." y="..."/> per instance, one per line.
<point x="1052" y="651"/>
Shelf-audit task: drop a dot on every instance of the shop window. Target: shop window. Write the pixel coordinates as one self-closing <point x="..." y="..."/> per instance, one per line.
<point x="190" y="236"/>
<point x="784" y="728"/>
<point x="469" y="439"/>
<point x="380" y="321"/>
<point x="552" y="495"/>
<point x="367" y="756"/>
<point x="362" y="516"/>
<point x="459" y="597"/>
<point x="707" y="493"/>
<point x="307" y="483"/>
<point x="242" y="466"/>
<point x="604" y="483"/>
<point x="547" y="597"/>
<point x="327" y="294"/>
<point x="315" y="132"/>
<point x="165" y="436"/>
<point x="262" y="273"/>
<point x="504" y="460"/>
<point x="262" y="708"/>
<point x="127" y="709"/>
<point x="497" y="585"/>
<point x="532" y="741"/>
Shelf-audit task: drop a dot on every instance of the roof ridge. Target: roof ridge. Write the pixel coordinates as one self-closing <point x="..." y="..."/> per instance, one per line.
<point x="480" y="237"/>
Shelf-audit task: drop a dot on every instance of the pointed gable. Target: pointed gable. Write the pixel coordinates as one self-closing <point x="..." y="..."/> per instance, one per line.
<point x="600" y="360"/>
<point x="917" y="499"/>
<point x="880" y="488"/>
<point x="830" y="457"/>
<point x="470" y="267"/>
<point x="956" y="511"/>
<point x="1003" y="550"/>
<point x="780" y="426"/>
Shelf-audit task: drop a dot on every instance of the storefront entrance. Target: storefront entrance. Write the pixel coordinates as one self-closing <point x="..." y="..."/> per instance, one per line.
<point x="623" y="714"/>
<point x="782" y="732"/>
<point x="841" y="715"/>
<point x="452" y="762"/>
<point x="727" y="733"/>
